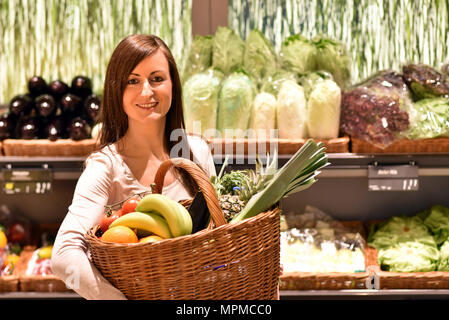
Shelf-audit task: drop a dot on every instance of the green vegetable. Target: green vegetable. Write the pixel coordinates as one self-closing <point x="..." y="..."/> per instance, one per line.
<point x="298" y="54"/>
<point x="333" y="57"/>
<point x="259" y="58"/>
<point x="235" y="105"/>
<point x="437" y="221"/>
<point x="443" y="263"/>
<point x="399" y="229"/>
<point x="228" y="50"/>
<point x="429" y="118"/>
<point x="323" y="110"/>
<point x="292" y="111"/>
<point x="263" y="119"/>
<point x="296" y="175"/>
<point x="273" y="81"/>
<point x="201" y="93"/>
<point x="200" y="56"/>
<point x="410" y="256"/>
<point x="309" y="79"/>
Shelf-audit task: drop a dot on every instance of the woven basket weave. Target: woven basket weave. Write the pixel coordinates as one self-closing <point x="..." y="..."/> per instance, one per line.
<point x="47" y="148"/>
<point x="434" y="145"/>
<point x="224" y="261"/>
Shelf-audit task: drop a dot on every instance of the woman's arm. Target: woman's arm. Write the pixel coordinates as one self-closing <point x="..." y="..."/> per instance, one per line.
<point x="69" y="258"/>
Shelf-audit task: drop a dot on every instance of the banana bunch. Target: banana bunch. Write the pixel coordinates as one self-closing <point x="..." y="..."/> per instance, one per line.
<point x="157" y="214"/>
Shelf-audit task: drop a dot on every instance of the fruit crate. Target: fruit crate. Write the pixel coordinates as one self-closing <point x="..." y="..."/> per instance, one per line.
<point x="434" y="145"/>
<point x="48" y="148"/>
<point x="284" y="146"/>
<point x="331" y="280"/>
<point x="406" y="280"/>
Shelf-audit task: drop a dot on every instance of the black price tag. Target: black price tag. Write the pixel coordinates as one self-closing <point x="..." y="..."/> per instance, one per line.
<point x="393" y="178"/>
<point x="27" y="181"/>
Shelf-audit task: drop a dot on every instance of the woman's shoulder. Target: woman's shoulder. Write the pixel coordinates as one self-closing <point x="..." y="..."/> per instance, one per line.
<point x="104" y="155"/>
<point x="197" y="141"/>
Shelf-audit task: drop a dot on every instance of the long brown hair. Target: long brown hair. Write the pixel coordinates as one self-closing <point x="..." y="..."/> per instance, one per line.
<point x="126" y="56"/>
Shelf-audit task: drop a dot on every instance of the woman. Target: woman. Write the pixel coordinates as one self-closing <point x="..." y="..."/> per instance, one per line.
<point x="142" y="123"/>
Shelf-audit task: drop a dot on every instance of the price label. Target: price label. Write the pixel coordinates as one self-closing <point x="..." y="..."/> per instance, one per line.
<point x="27" y="181"/>
<point x="393" y="178"/>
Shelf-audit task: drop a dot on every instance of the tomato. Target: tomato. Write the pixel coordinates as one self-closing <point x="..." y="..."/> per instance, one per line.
<point x="16" y="232"/>
<point x="108" y="218"/>
<point x="130" y="205"/>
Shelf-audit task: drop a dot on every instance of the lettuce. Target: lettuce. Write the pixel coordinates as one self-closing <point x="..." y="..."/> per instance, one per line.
<point x="323" y="110"/>
<point x="263" y="119"/>
<point x="235" y="105"/>
<point x="443" y="263"/>
<point x="228" y="50"/>
<point x="292" y="111"/>
<point x="410" y="256"/>
<point x="298" y="54"/>
<point x="273" y="80"/>
<point x="200" y="56"/>
<point x="333" y="57"/>
<point x="259" y="58"/>
<point x="438" y="223"/>
<point x="200" y="94"/>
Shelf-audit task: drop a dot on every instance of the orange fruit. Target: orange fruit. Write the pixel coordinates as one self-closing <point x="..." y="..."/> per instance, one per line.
<point x="3" y="240"/>
<point x="152" y="238"/>
<point x="120" y="234"/>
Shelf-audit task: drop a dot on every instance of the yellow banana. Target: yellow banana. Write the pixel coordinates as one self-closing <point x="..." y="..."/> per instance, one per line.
<point x="148" y="221"/>
<point x="177" y="218"/>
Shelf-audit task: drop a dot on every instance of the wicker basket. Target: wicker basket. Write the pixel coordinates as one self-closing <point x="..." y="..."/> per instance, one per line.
<point x="224" y="261"/>
<point x="434" y="145"/>
<point x="37" y="283"/>
<point x="407" y="280"/>
<point x="47" y="148"/>
<point x="9" y="283"/>
<point x="283" y="146"/>
<point x="331" y="280"/>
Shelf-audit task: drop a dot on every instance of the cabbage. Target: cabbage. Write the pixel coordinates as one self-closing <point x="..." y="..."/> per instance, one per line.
<point x="400" y="229"/>
<point x="333" y="57"/>
<point x="438" y="223"/>
<point x="429" y="118"/>
<point x="291" y="112"/>
<point x="228" y="50"/>
<point x="323" y="110"/>
<point x="443" y="263"/>
<point x="235" y="104"/>
<point x="309" y="79"/>
<point x="259" y="57"/>
<point x="200" y="93"/>
<point x="199" y="57"/>
<point x="264" y="115"/>
<point x="411" y="256"/>
<point x="273" y="80"/>
<point x="298" y="54"/>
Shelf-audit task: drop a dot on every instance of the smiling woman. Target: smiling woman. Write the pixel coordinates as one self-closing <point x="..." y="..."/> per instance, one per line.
<point x="141" y="109"/>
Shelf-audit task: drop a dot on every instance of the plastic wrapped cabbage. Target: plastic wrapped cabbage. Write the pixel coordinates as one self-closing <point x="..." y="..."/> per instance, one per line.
<point x="259" y="58"/>
<point x="200" y="56"/>
<point x="292" y="111"/>
<point x="376" y="111"/>
<point x="263" y="119"/>
<point x="425" y="82"/>
<point x="228" y="50"/>
<point x="234" y="106"/>
<point x="411" y="256"/>
<point x="273" y="81"/>
<point x="201" y="101"/>
<point x="308" y="80"/>
<point x="323" y="110"/>
<point x="399" y="229"/>
<point x="429" y="118"/>
<point x="298" y="54"/>
<point x="333" y="57"/>
<point x="437" y="220"/>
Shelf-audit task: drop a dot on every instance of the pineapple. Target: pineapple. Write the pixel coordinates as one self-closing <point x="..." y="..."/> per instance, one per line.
<point x="235" y="189"/>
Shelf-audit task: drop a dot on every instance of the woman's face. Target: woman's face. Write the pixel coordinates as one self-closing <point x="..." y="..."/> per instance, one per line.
<point x="148" y="93"/>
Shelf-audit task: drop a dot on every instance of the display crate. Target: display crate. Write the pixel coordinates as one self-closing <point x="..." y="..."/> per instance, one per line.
<point x="47" y="148"/>
<point x="404" y="146"/>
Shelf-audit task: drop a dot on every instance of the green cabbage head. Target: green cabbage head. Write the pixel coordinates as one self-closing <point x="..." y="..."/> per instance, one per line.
<point x="292" y="111"/>
<point x="228" y="50"/>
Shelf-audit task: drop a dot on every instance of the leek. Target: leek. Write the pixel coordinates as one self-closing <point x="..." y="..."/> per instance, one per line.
<point x="296" y="175"/>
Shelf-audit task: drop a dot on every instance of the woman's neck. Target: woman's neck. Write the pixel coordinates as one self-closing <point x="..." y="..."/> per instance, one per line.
<point x="148" y="142"/>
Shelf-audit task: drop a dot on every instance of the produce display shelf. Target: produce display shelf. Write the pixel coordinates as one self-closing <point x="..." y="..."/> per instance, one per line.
<point x="39" y="295"/>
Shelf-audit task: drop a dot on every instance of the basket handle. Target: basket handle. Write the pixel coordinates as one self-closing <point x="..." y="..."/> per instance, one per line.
<point x="200" y="178"/>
